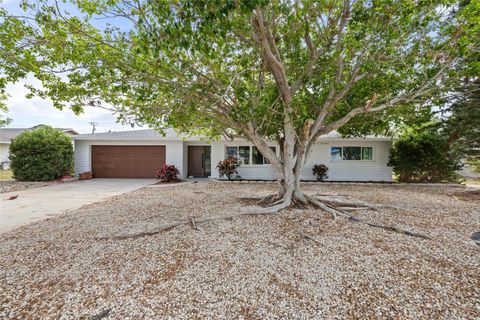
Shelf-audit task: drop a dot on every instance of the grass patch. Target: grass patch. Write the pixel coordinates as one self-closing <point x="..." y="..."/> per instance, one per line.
<point x="475" y="182"/>
<point x="6" y="174"/>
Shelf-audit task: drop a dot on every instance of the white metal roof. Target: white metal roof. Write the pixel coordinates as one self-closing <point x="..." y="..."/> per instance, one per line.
<point x="170" y="134"/>
<point x="146" y="134"/>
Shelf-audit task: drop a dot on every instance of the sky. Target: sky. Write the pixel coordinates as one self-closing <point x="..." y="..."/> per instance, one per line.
<point x="26" y="113"/>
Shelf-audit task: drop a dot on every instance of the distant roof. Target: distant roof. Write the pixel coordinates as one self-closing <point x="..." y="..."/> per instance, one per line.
<point x="7" y="134"/>
<point x="170" y="134"/>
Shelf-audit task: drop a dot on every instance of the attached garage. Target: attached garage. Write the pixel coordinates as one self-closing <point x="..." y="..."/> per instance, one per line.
<point x="127" y="161"/>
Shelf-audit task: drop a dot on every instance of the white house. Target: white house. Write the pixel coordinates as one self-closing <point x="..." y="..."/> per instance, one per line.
<point x="140" y="153"/>
<point x="7" y="134"/>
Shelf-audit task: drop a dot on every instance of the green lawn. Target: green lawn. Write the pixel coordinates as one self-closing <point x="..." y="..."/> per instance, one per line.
<point x="5" y="174"/>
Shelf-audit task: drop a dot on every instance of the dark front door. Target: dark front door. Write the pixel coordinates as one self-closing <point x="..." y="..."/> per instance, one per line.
<point x="199" y="162"/>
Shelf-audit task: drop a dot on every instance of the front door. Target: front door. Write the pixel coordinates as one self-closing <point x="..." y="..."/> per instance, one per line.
<point x="199" y="162"/>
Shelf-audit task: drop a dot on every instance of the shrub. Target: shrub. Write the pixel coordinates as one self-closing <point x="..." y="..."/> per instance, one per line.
<point x="320" y="172"/>
<point x="40" y="155"/>
<point x="228" y="168"/>
<point x="423" y="156"/>
<point x="168" y="173"/>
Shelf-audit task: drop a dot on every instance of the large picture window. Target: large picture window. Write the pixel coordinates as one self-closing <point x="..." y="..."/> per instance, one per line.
<point x="351" y="153"/>
<point x="247" y="154"/>
<point x="242" y="153"/>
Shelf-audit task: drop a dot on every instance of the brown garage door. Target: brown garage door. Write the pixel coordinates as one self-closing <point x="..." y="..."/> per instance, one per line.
<point x="127" y="161"/>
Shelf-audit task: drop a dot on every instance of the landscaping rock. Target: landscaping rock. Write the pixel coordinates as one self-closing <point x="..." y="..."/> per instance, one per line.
<point x="297" y="264"/>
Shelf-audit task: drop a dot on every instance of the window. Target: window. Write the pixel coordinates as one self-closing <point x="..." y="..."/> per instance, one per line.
<point x="367" y="153"/>
<point x="336" y="153"/>
<point x="244" y="153"/>
<point x="232" y="152"/>
<point x="258" y="158"/>
<point x="351" y="153"/>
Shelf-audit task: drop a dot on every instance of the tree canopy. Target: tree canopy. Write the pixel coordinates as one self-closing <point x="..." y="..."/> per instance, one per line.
<point x="285" y="70"/>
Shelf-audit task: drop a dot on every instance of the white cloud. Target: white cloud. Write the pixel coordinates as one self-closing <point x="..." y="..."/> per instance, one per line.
<point x="26" y="113"/>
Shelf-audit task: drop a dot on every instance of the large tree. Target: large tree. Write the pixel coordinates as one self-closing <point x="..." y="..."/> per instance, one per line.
<point x="461" y="121"/>
<point x="290" y="71"/>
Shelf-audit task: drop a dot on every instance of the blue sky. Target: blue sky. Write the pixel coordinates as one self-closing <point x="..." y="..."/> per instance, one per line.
<point x="30" y="112"/>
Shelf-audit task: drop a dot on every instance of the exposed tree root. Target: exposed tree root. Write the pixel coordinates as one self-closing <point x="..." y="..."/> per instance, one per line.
<point x="306" y="236"/>
<point x="340" y="211"/>
<point x="355" y="203"/>
<point x="101" y="315"/>
<point x="325" y="207"/>
<point x="330" y="204"/>
<point x="193" y="223"/>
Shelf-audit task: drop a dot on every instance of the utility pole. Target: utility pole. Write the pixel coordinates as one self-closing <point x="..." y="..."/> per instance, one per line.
<point x="94" y="126"/>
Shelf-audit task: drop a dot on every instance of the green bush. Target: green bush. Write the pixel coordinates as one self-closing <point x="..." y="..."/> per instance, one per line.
<point x="40" y="155"/>
<point x="423" y="156"/>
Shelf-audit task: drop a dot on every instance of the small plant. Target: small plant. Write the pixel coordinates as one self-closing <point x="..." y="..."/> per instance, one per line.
<point x="168" y="173"/>
<point x="228" y="168"/>
<point x="320" y="172"/>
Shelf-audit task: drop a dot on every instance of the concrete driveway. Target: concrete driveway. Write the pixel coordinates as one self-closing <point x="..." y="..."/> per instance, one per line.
<point x="43" y="202"/>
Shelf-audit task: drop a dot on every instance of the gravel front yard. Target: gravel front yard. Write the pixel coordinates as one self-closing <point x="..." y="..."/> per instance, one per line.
<point x="15" y="185"/>
<point x="250" y="267"/>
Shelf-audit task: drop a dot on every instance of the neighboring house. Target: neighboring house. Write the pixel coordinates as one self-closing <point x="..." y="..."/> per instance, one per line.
<point x="468" y="171"/>
<point x="7" y="134"/>
<point x="140" y="153"/>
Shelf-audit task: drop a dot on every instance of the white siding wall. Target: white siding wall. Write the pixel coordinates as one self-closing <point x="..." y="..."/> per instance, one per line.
<point x="4" y="147"/>
<point x="351" y="170"/>
<point x="253" y="171"/>
<point x="177" y="154"/>
<point x="374" y="170"/>
<point x="83" y="150"/>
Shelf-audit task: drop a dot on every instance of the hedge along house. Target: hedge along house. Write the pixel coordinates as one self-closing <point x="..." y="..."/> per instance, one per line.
<point x="140" y="153"/>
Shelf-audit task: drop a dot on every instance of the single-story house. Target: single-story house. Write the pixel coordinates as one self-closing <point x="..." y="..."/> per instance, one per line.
<point x="140" y="153"/>
<point x="7" y="134"/>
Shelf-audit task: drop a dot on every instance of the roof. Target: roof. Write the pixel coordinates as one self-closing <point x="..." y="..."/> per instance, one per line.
<point x="170" y="134"/>
<point x="146" y="134"/>
<point x="334" y="135"/>
<point x="7" y="134"/>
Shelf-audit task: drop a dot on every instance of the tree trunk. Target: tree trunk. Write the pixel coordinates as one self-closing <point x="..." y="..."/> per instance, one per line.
<point x="288" y="180"/>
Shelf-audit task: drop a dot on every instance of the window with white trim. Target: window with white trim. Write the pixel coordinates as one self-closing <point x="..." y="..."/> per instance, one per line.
<point x="242" y="153"/>
<point x="248" y="155"/>
<point x="258" y="158"/>
<point x="351" y="153"/>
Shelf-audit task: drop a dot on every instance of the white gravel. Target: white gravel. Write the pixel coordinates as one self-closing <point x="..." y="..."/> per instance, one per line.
<point x="250" y="267"/>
